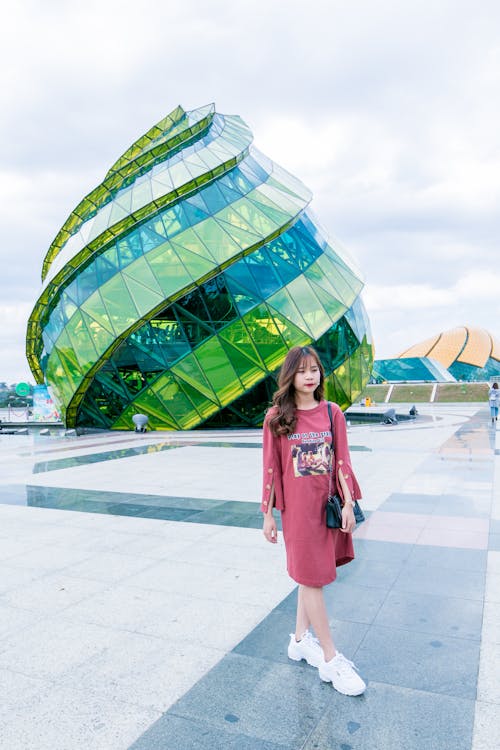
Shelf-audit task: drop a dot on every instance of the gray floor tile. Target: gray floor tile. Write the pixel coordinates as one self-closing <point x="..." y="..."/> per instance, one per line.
<point x="494" y="542"/>
<point x="345" y="601"/>
<point x="272" y="702"/>
<point x="473" y="507"/>
<point x="449" y="557"/>
<point x="420" y="661"/>
<point x="410" y="503"/>
<point x="437" y="615"/>
<point x="173" y="732"/>
<point x="373" y="573"/>
<point x="368" y="549"/>
<point x="269" y="640"/>
<point x="431" y="579"/>
<point x="348" y="601"/>
<point x="390" y="718"/>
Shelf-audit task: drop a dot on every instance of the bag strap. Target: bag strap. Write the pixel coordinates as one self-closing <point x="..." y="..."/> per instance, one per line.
<point x="332" y="449"/>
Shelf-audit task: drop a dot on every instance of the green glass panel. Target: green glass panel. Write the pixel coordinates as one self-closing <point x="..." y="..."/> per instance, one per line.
<point x="258" y="220"/>
<point x="141" y="272"/>
<point x="194" y="263"/>
<point x="265" y="334"/>
<point x="191" y="241"/>
<point x="203" y="406"/>
<point x="218" y="370"/>
<point x="68" y="306"/>
<point x="238" y="336"/>
<point x="333" y="307"/>
<point x="59" y="378"/>
<point x="119" y="304"/>
<point x="169" y="271"/>
<point x="341" y="289"/>
<point x="247" y="371"/>
<point x="176" y="402"/>
<point x="95" y="308"/>
<point x="152" y="404"/>
<point x="279" y="196"/>
<point x="101" y="337"/>
<point x="282" y="302"/>
<point x="241" y="237"/>
<point x="145" y="299"/>
<point x="268" y="207"/>
<point x="235" y="218"/>
<point x="189" y="370"/>
<point x="291" y="335"/>
<point x="217" y="241"/>
<point x="310" y="307"/>
<point x="72" y="371"/>
<point x="353" y="282"/>
<point x="81" y="341"/>
<point x="68" y="356"/>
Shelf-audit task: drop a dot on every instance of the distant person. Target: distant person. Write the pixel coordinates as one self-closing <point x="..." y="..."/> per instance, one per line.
<point x="413" y="411"/>
<point x="140" y="421"/>
<point x="494" y="401"/>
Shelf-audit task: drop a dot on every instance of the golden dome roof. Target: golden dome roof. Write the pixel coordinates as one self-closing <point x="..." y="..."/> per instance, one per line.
<point x="473" y="346"/>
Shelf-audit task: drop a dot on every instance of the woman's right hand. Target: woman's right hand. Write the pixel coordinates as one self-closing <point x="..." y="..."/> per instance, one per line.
<point x="270" y="529"/>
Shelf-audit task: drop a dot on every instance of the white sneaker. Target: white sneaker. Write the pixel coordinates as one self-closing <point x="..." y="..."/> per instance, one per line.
<point x="341" y="673"/>
<point x="307" y="648"/>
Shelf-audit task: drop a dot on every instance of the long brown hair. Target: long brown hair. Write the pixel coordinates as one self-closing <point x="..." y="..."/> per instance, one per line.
<point x="285" y="419"/>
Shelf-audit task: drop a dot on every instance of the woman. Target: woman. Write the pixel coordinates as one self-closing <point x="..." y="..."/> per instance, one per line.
<point x="299" y="419"/>
<point x="493" y="400"/>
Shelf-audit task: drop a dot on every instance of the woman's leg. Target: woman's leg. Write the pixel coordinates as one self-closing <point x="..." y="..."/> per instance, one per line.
<point x="311" y="610"/>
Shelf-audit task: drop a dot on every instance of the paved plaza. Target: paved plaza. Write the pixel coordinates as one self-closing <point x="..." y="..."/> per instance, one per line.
<point x="142" y="609"/>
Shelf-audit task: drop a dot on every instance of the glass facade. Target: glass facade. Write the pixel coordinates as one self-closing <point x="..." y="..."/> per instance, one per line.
<point x="410" y="369"/>
<point x="178" y="285"/>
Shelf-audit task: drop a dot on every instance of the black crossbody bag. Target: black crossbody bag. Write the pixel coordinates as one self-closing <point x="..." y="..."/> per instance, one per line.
<point x="334" y="503"/>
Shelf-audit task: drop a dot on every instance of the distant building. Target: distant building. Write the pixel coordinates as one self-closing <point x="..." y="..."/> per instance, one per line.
<point x="466" y="353"/>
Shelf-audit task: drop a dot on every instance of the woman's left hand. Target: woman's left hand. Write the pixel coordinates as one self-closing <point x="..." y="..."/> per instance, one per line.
<point x="348" y="520"/>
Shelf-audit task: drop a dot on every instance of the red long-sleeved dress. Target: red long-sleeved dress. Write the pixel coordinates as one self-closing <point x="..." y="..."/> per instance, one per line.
<point x="297" y="466"/>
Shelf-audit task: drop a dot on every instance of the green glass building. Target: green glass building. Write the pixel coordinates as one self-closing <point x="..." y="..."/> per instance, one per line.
<point x="177" y="286"/>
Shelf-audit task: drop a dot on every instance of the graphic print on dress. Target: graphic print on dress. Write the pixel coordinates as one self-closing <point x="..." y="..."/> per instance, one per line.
<point x="310" y="456"/>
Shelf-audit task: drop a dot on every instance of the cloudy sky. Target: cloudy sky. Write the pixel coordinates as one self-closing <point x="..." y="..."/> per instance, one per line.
<point x="388" y="110"/>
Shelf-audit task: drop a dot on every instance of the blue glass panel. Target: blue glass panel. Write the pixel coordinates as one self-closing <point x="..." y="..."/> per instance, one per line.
<point x="286" y="271"/>
<point x="218" y="301"/>
<point x="243" y="299"/>
<point x="313" y="230"/>
<point x="240" y="273"/>
<point x="86" y="283"/>
<point x="240" y="181"/>
<point x="105" y="270"/>
<point x="262" y="270"/>
<point x="195" y="325"/>
<point x="229" y="193"/>
<point x="170" y="336"/>
<point x="173" y="220"/>
<point x="149" y="238"/>
<point x="214" y="200"/>
<point x="129" y="249"/>
<point x="193" y="213"/>
<point x="253" y="170"/>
